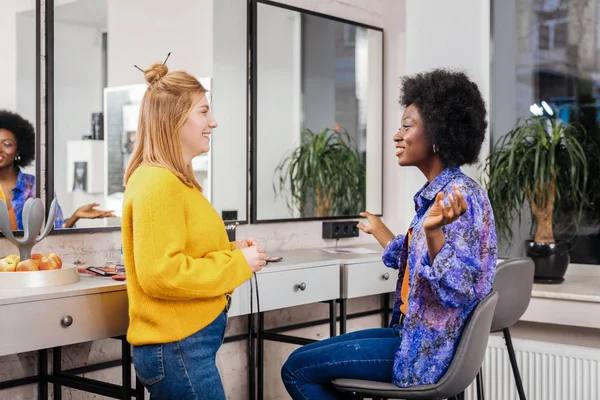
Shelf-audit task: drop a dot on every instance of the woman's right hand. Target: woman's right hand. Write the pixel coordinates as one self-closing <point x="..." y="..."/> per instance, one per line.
<point x="255" y="257"/>
<point x="377" y="228"/>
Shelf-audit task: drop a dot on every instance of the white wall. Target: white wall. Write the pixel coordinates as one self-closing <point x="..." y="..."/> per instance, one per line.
<point x="142" y="32"/>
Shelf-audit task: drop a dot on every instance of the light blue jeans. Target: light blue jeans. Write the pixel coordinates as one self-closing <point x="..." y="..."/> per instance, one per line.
<point x="186" y="369"/>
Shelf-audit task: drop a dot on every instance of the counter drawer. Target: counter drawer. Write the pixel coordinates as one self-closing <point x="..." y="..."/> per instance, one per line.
<point x="366" y="279"/>
<point x="300" y="286"/>
<point x="57" y="322"/>
<point x="240" y="300"/>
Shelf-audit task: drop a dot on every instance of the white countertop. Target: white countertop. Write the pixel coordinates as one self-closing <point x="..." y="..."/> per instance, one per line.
<point x="292" y="259"/>
<point x="582" y="282"/>
<point x="86" y="285"/>
<point x="307" y="258"/>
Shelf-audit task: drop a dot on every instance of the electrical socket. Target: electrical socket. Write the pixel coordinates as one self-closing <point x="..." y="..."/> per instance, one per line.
<point x="339" y="229"/>
<point x="229" y="215"/>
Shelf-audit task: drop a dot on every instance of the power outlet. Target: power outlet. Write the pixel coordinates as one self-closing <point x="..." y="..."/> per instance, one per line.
<point x="229" y="215"/>
<point x="339" y="229"/>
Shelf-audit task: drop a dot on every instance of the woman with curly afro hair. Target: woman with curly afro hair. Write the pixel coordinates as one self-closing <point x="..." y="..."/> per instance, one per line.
<point x="446" y="261"/>
<point x="17" y="150"/>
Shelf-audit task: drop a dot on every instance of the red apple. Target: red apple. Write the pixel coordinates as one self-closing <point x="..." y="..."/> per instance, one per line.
<point x="28" y="265"/>
<point x="36" y="256"/>
<point x="50" y="261"/>
<point x="9" y="263"/>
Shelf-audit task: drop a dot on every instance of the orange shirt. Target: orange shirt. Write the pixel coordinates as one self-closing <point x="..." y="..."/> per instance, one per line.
<point x="11" y="211"/>
<point x="405" y="285"/>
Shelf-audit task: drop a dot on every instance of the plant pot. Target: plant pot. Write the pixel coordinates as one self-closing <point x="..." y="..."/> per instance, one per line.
<point x="586" y="248"/>
<point x="551" y="260"/>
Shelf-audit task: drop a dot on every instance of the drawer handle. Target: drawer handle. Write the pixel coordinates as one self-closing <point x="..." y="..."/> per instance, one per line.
<point x="385" y="276"/>
<point x="66" y="321"/>
<point x="301" y="287"/>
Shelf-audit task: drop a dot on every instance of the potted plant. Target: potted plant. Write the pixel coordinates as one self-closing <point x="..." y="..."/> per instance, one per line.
<point x="325" y="175"/>
<point x="540" y="163"/>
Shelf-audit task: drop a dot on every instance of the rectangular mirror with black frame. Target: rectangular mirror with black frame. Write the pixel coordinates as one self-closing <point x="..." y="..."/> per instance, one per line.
<point x="97" y="91"/>
<point x="19" y="106"/>
<point x="317" y="101"/>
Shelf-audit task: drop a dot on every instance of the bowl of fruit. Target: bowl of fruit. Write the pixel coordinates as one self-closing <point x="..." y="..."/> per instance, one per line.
<point x="29" y="269"/>
<point x="41" y="270"/>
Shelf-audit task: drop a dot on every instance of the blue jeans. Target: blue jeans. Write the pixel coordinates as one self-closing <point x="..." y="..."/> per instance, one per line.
<point x="186" y="369"/>
<point x="367" y="354"/>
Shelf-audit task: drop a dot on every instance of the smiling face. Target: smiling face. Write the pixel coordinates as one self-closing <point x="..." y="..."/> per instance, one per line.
<point x="195" y="132"/>
<point x="8" y="148"/>
<point x="412" y="145"/>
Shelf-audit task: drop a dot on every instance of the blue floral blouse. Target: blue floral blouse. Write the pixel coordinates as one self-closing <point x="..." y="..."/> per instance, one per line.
<point x="442" y="293"/>
<point x="25" y="189"/>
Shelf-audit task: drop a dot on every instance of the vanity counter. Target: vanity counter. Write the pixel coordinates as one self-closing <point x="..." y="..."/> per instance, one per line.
<point x="575" y="302"/>
<point x="86" y="285"/>
<point x="303" y="276"/>
<point x="574" y="288"/>
<point x="306" y="258"/>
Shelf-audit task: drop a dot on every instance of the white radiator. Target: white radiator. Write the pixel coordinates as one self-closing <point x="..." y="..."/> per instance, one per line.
<point x="549" y="371"/>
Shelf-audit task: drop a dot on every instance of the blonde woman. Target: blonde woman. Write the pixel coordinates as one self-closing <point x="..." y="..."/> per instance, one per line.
<point x="181" y="268"/>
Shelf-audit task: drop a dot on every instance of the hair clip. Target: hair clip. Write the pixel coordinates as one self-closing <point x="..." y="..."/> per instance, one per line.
<point x="143" y="72"/>
<point x="168" y="55"/>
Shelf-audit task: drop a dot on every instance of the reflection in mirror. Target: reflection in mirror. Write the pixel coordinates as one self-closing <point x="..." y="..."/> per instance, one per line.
<point x="319" y="116"/>
<point x="98" y="91"/>
<point x="18" y="105"/>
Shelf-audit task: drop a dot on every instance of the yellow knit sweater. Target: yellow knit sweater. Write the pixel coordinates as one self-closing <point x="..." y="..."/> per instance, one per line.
<point x="178" y="258"/>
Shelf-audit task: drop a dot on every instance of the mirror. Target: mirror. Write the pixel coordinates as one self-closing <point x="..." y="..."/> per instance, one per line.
<point x="319" y="116"/>
<point x="18" y="103"/>
<point x="97" y="92"/>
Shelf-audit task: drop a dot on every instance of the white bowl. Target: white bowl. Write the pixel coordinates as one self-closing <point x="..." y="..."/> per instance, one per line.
<point x="31" y="279"/>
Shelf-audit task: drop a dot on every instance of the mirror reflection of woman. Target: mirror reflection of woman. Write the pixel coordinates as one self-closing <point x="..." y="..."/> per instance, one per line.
<point x="17" y="150"/>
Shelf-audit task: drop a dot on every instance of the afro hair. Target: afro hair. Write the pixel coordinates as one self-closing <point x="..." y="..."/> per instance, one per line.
<point x="24" y="133"/>
<point x="453" y="113"/>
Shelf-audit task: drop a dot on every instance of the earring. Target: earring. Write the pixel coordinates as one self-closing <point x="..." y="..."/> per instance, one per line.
<point x="18" y="158"/>
<point x="435" y="149"/>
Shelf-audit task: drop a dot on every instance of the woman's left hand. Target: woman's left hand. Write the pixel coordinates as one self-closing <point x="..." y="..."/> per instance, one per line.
<point x="89" y="211"/>
<point x="440" y="214"/>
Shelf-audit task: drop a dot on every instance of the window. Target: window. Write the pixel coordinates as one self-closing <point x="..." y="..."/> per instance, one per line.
<point x="547" y="62"/>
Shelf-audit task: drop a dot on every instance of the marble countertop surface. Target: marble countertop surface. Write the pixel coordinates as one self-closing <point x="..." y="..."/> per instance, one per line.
<point x="308" y="258"/>
<point x="582" y="282"/>
<point x="86" y="285"/>
<point x="292" y="259"/>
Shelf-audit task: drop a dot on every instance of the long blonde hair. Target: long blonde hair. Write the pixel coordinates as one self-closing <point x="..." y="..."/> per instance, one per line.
<point x="166" y="105"/>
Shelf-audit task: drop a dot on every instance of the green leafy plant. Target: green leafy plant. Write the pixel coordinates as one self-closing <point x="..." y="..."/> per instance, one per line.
<point x="324" y="176"/>
<point x="541" y="163"/>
